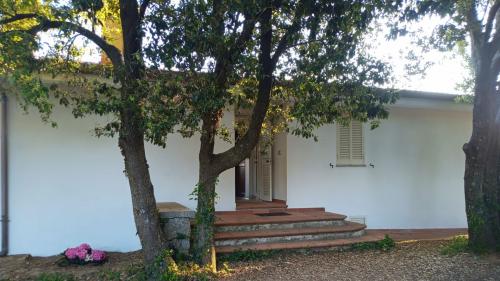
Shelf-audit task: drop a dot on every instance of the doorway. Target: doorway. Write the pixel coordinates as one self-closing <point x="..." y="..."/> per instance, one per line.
<point x="262" y="176"/>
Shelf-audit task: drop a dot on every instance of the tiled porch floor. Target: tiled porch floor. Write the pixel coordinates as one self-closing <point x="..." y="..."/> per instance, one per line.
<point x="420" y="234"/>
<point x="246" y="217"/>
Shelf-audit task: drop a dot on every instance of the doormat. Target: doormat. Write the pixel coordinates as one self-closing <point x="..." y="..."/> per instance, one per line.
<point x="273" y="214"/>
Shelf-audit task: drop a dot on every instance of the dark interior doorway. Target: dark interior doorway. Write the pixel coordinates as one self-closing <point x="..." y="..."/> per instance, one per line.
<point x="240" y="180"/>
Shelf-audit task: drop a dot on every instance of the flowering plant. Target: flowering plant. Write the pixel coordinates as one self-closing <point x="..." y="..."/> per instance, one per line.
<point x="84" y="254"/>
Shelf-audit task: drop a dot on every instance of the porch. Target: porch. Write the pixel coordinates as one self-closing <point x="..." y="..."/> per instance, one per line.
<point x="256" y="228"/>
<point x="275" y="228"/>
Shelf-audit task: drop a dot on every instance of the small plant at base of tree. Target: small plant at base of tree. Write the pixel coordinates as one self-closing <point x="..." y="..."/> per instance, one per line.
<point x="459" y="244"/>
<point x="245" y="256"/>
<point x="385" y="244"/>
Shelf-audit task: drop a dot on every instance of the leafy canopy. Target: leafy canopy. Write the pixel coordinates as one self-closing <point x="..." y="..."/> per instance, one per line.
<point x="322" y="72"/>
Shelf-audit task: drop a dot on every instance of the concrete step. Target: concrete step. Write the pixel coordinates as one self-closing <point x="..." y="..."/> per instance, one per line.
<point x="277" y="219"/>
<point x="318" y="244"/>
<point x="262" y="236"/>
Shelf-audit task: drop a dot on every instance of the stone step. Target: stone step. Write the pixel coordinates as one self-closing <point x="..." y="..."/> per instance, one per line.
<point x="271" y="219"/>
<point x="348" y="230"/>
<point x="318" y="244"/>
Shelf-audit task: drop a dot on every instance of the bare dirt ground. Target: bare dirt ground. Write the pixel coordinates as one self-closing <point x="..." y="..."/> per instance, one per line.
<point x="408" y="261"/>
<point x="22" y="267"/>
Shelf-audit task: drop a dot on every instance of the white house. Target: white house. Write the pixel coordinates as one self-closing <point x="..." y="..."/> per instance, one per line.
<point x="66" y="186"/>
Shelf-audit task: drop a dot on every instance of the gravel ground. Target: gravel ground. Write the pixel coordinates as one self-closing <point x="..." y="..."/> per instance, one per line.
<point x="409" y="261"/>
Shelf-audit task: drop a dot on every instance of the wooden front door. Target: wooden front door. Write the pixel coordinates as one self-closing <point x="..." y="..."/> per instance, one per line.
<point x="264" y="172"/>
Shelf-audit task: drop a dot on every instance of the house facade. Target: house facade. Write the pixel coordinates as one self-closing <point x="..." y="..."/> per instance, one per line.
<point x="67" y="187"/>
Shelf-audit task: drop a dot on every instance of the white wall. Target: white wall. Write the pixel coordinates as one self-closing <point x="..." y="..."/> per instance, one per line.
<point x="417" y="181"/>
<point x="67" y="186"/>
<point x="279" y="167"/>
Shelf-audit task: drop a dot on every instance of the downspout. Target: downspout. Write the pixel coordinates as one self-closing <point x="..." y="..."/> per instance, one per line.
<point x="4" y="181"/>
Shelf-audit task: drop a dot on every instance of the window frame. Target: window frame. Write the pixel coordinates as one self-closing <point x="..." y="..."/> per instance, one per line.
<point x="350" y="162"/>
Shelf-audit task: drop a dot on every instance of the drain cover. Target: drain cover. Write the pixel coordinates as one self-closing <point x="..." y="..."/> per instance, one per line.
<point x="273" y="214"/>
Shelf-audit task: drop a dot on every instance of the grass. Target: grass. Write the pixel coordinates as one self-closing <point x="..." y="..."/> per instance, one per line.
<point x="245" y="256"/>
<point x="385" y="244"/>
<point x="55" y="277"/>
<point x="459" y="244"/>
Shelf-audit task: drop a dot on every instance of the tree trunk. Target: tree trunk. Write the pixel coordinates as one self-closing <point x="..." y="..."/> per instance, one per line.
<point x="146" y="216"/>
<point x="212" y="165"/>
<point x="203" y="239"/>
<point x="131" y="141"/>
<point x="482" y="166"/>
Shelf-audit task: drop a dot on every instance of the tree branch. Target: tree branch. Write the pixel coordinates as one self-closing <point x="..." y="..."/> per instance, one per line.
<point x="45" y="24"/>
<point x="474" y="28"/>
<point x="244" y="146"/>
<point x="143" y="8"/>
<point x="245" y="36"/>
<point x="111" y="51"/>
<point x="17" y="17"/>
<point x="489" y="22"/>
<point x="290" y="31"/>
<point x="495" y="64"/>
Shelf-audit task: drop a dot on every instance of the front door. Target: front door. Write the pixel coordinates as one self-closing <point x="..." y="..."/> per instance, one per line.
<point x="264" y="172"/>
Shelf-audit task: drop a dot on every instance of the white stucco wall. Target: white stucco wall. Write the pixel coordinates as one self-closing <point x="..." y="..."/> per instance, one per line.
<point x="417" y="181"/>
<point x="67" y="186"/>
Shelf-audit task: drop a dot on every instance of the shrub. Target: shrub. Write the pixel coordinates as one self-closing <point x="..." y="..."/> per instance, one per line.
<point x="459" y="244"/>
<point x="385" y="244"/>
<point x="84" y="254"/>
<point x="248" y="256"/>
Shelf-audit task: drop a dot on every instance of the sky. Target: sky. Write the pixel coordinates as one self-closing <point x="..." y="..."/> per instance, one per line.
<point x="443" y="76"/>
<point x="448" y="68"/>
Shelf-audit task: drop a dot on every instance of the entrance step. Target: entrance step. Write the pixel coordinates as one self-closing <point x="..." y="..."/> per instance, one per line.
<point x="276" y="219"/>
<point x="272" y="229"/>
<point x="295" y="245"/>
<point x="348" y="230"/>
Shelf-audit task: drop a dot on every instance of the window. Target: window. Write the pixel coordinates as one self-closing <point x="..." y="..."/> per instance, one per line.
<point x="350" y="144"/>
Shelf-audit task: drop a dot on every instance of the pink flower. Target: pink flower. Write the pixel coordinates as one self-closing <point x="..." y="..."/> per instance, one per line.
<point x="70" y="253"/>
<point x="81" y="253"/>
<point x="98" y="256"/>
<point x="85" y="246"/>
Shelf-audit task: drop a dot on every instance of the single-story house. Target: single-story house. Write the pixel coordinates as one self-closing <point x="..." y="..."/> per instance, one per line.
<point x="67" y="186"/>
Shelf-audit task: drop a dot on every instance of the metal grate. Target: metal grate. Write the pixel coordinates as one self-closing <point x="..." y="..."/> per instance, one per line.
<point x="358" y="219"/>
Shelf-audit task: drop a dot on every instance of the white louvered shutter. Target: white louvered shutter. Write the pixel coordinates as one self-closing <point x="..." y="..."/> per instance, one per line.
<point x="357" y="147"/>
<point x="343" y="144"/>
<point x="350" y="144"/>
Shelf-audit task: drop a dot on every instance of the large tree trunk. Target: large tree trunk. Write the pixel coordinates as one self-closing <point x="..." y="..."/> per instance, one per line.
<point x="146" y="216"/>
<point x="203" y="240"/>
<point x="482" y="166"/>
<point x="212" y="165"/>
<point x="131" y="142"/>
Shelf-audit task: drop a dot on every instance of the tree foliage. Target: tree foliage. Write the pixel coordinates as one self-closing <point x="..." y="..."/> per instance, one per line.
<point x="320" y="74"/>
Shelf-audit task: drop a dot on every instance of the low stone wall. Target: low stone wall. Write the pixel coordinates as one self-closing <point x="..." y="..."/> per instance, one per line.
<point x="177" y="225"/>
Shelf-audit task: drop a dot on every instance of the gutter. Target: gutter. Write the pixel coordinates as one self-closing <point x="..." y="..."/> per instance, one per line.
<point x="4" y="181"/>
